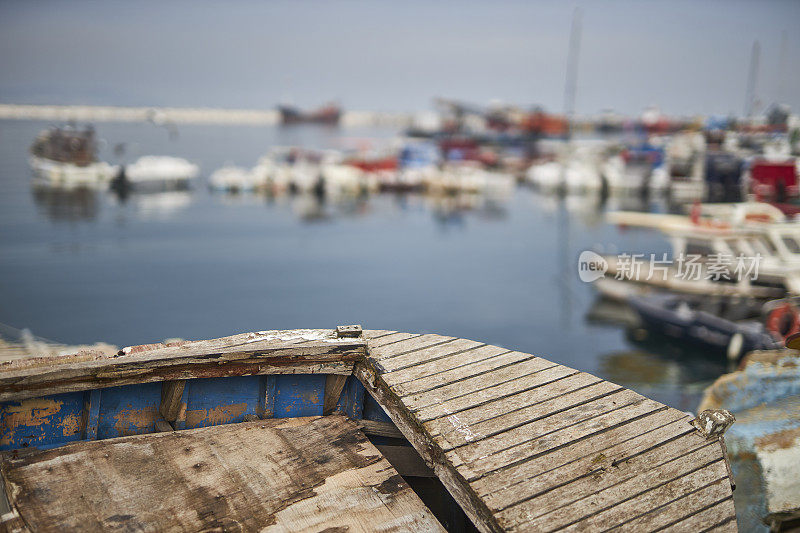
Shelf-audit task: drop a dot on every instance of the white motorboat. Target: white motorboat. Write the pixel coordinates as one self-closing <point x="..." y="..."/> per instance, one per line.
<point x="234" y="179"/>
<point x="164" y="169"/>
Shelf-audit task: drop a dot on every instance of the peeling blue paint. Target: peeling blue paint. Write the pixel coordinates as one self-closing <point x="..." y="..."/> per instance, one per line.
<point x="299" y="395"/>
<point x="133" y="409"/>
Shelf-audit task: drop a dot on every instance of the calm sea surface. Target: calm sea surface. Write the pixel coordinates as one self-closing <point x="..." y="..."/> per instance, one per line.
<point x="85" y="267"/>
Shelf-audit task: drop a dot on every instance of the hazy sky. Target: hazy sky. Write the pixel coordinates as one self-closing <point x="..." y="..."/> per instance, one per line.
<point x="687" y="57"/>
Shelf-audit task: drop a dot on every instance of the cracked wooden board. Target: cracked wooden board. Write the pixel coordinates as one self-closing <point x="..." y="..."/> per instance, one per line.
<point x="281" y="475"/>
<point x="524" y="444"/>
<point x="263" y="352"/>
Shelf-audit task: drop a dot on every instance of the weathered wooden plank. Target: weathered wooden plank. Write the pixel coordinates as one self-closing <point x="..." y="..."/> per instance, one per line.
<point x="542" y="436"/>
<point x="383" y="350"/>
<point x="11" y="522"/>
<point x="487" y="358"/>
<point x="260" y="353"/>
<point x="426" y="355"/>
<point x="693" y="513"/>
<point x="659" y="497"/>
<point x="515" y="438"/>
<point x="162" y="425"/>
<point x="374" y="334"/>
<point x="333" y="390"/>
<point x="496" y="435"/>
<point x="397" y="336"/>
<point x="727" y="525"/>
<point x="91" y="410"/>
<point x="474" y="507"/>
<point x="311" y="474"/>
<point x="378" y="428"/>
<point x="511" y="411"/>
<point x="599" y="489"/>
<point x="472" y="391"/>
<point x="171" y="394"/>
<point x="442" y="363"/>
<point x="508" y="486"/>
<point x="266" y="394"/>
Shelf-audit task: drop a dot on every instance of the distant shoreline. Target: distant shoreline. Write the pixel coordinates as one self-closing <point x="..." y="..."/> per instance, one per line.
<point x="183" y="115"/>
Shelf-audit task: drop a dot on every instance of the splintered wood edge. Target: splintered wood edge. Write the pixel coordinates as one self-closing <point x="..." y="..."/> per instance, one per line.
<point x="430" y="452"/>
<point x="248" y="356"/>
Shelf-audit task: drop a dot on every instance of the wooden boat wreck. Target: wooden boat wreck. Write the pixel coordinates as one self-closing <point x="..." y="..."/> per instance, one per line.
<point x="327" y="430"/>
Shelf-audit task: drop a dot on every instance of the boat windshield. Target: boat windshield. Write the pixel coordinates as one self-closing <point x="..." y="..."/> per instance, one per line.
<point x="694" y="247"/>
<point x="791" y="244"/>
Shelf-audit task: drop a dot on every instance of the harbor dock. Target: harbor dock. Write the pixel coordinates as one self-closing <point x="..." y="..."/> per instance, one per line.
<point x="519" y="442"/>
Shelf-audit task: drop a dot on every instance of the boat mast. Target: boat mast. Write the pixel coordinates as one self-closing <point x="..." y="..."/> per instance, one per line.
<point x="783" y="69"/>
<point x="563" y="233"/>
<point x="572" y="69"/>
<point x="752" y="81"/>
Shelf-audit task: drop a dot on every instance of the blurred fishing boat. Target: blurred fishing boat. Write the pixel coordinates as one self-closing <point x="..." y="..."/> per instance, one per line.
<point x="572" y="176"/>
<point x="156" y="173"/>
<point x="695" y="321"/>
<point x="68" y="157"/>
<point x="684" y="162"/>
<point x="773" y="180"/>
<point x="232" y="179"/>
<point x="723" y="177"/>
<point x="636" y="167"/>
<point x="328" y="114"/>
<point x="468" y="178"/>
<point x="752" y="230"/>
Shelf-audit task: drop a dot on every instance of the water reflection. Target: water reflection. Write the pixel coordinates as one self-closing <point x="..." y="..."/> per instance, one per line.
<point x="159" y="205"/>
<point x="66" y="204"/>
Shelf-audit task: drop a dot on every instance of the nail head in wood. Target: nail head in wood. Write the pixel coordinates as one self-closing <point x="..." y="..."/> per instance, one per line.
<point x="713" y="423"/>
<point x="348" y="331"/>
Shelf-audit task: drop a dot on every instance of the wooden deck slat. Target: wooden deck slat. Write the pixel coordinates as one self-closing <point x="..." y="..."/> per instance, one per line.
<point x="521" y="443"/>
<point x="700" y="515"/>
<point x="488" y="358"/>
<point x="604" y="488"/>
<point x="724" y="526"/>
<point x="512" y="411"/>
<point x="409" y="360"/>
<point x="498" y="435"/>
<point x="374" y="334"/>
<point x="271" y="475"/>
<point x="684" y="484"/>
<point x="508" y="486"/>
<point x="443" y="360"/>
<point x="466" y="392"/>
<point x="390" y="347"/>
<point x="524" y="444"/>
<point x="392" y="337"/>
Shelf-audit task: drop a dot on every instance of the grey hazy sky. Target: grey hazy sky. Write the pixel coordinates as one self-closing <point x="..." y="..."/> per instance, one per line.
<point x="685" y="56"/>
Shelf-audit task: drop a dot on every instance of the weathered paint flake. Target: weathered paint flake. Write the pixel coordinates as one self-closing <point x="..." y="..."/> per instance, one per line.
<point x="223" y="414"/>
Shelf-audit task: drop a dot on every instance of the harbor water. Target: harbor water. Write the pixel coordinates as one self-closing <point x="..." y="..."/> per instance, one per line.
<point x="85" y="266"/>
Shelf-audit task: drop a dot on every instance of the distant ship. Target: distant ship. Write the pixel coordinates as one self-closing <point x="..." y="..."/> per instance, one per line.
<point x="328" y="114"/>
